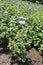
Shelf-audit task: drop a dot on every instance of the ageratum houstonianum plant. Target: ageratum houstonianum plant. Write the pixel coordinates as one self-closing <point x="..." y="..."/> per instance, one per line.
<point x="21" y="27"/>
<point x="22" y="22"/>
<point x="24" y="33"/>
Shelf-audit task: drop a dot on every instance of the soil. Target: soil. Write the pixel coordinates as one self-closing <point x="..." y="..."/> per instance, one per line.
<point x="34" y="58"/>
<point x="34" y="55"/>
<point x="4" y="57"/>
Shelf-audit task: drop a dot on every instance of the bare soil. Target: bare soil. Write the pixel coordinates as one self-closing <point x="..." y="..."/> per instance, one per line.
<point x="34" y="55"/>
<point x="4" y="57"/>
<point x="34" y="58"/>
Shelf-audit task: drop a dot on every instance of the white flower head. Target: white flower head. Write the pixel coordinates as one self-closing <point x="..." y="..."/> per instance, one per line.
<point x="11" y="21"/>
<point x="30" y="8"/>
<point x="37" y="1"/>
<point x="22" y="22"/>
<point x="6" y="13"/>
<point x="21" y="17"/>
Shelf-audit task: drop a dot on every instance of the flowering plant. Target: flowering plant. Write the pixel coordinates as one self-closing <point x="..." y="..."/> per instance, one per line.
<point x="21" y="26"/>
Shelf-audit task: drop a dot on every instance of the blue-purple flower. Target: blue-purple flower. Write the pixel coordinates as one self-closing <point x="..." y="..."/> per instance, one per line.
<point x="22" y="22"/>
<point x="19" y="3"/>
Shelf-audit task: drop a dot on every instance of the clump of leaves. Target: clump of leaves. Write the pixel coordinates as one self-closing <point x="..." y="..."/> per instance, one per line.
<point x="37" y="31"/>
<point x="17" y="50"/>
<point x="3" y="33"/>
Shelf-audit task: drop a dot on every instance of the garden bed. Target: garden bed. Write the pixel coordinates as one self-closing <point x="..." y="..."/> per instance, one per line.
<point x="21" y="33"/>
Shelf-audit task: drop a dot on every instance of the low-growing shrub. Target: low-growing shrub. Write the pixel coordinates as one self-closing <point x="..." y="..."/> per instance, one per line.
<point x="24" y="32"/>
<point x="22" y="27"/>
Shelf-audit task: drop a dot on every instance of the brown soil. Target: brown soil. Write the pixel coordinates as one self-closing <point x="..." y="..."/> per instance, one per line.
<point x="33" y="55"/>
<point x="4" y="57"/>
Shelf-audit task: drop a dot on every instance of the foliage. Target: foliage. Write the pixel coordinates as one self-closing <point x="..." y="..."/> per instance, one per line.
<point x="37" y="1"/>
<point x="37" y="29"/>
<point x="3" y="33"/>
<point x="22" y="26"/>
<point x="18" y="50"/>
<point x="31" y="32"/>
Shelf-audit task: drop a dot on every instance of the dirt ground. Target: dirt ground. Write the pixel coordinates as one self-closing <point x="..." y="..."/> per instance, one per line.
<point x="33" y="55"/>
<point x="4" y="57"/>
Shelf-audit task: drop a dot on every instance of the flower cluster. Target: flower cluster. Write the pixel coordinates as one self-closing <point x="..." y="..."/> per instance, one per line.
<point x="6" y="13"/>
<point x="22" y="22"/>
